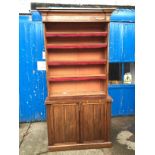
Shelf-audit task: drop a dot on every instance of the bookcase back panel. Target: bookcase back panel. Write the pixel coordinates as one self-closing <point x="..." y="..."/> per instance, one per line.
<point x="76" y="70"/>
<point x="76" y="87"/>
<point x="76" y="54"/>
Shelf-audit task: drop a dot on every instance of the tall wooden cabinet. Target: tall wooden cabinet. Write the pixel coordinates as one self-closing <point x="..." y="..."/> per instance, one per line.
<point x="78" y="106"/>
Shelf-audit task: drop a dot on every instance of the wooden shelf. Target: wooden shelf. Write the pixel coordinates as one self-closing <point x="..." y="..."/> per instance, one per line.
<point x="85" y="94"/>
<point x="77" y="78"/>
<point x="64" y="76"/>
<point x="66" y="63"/>
<point x="75" y="34"/>
<point x="72" y="46"/>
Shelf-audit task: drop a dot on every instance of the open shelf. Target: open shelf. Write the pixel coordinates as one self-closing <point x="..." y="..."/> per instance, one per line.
<point x="76" y="40"/>
<point x="77" y="78"/>
<point x="75" y="34"/>
<point x="69" y="55"/>
<point x="71" y="46"/>
<point x="76" y="58"/>
<point x="92" y="75"/>
<point x="80" y="94"/>
<point x="76" y="70"/>
<point x="60" y="63"/>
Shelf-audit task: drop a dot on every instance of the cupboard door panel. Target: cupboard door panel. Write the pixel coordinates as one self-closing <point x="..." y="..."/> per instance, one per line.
<point x="65" y="123"/>
<point x="92" y="121"/>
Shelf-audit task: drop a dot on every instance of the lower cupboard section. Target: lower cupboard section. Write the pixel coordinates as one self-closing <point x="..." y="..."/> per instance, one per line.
<point x="78" y="124"/>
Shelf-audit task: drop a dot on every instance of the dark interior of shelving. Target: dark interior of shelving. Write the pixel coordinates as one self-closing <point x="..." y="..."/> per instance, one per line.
<point x="115" y="73"/>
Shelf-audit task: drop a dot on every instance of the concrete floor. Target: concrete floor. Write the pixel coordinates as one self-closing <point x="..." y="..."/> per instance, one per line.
<point x="33" y="139"/>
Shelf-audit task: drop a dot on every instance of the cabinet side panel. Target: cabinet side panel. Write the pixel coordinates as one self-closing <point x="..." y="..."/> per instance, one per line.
<point x="49" y="124"/>
<point x="108" y="121"/>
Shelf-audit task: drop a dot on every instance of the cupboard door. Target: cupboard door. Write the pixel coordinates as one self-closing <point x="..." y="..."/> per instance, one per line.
<point x="92" y="117"/>
<point x="63" y="123"/>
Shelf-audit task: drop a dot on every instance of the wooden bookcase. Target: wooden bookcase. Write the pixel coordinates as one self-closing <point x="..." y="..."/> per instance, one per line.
<point x="78" y="107"/>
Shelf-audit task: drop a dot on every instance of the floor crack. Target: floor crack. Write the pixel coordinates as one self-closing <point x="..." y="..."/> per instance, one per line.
<point x="102" y="150"/>
<point x="25" y="134"/>
<point x="42" y="152"/>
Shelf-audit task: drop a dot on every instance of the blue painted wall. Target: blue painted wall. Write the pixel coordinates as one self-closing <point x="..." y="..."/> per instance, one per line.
<point x="122" y="36"/>
<point x="32" y="82"/>
<point x="122" y="42"/>
<point x="121" y="50"/>
<point x="123" y="99"/>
